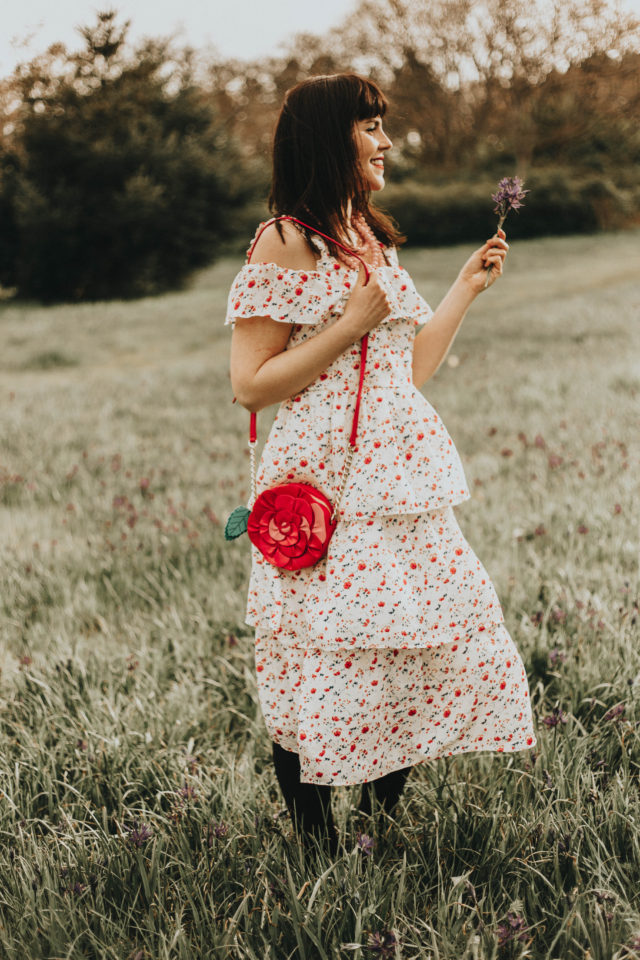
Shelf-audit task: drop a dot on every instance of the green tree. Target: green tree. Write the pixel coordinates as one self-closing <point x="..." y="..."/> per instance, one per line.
<point x="116" y="177"/>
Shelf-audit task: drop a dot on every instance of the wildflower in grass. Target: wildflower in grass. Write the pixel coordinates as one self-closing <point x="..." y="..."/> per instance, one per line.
<point x="513" y="927"/>
<point x="539" y="441"/>
<point x="191" y="762"/>
<point x="25" y="661"/>
<point x="139" y="834"/>
<point x="382" y="944"/>
<point x="540" y="530"/>
<point x="506" y="452"/>
<point x="536" y="618"/>
<point x="365" y="842"/>
<point x="558" y="615"/>
<point x="554" y="718"/>
<point x="188" y="793"/>
<point x="232" y="640"/>
<point x="556" y="655"/>
<point x="616" y="713"/>
<point x="617" y="508"/>
<point x="633" y="947"/>
<point x="603" y="896"/>
<point x="554" y="460"/>
<point x="548" y="782"/>
<point x="583" y="528"/>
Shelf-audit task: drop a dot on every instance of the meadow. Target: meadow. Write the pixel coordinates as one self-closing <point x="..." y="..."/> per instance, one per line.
<point x="140" y="816"/>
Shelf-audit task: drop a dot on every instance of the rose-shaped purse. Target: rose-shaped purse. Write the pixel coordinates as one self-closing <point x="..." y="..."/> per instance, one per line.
<point x="292" y="523"/>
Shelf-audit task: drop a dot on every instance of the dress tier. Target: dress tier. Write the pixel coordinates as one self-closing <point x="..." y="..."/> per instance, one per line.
<point x="392" y="649"/>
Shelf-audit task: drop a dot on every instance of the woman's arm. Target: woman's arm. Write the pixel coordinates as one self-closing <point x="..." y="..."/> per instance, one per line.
<point x="432" y="344"/>
<point x="262" y="370"/>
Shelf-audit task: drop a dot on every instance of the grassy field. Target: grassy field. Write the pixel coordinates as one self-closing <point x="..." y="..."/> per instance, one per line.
<point x="140" y="816"/>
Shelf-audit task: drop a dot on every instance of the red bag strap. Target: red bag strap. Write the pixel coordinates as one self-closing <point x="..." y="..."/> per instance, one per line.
<point x="253" y="424"/>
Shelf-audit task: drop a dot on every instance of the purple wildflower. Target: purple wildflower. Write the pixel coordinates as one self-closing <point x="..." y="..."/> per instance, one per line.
<point x="556" y="655"/>
<point x="509" y="196"/>
<point x="616" y="713"/>
<point x="603" y="896"/>
<point x="220" y="829"/>
<point x="555" y="717"/>
<point x="188" y="793"/>
<point x="633" y="947"/>
<point x="382" y="944"/>
<point x="139" y="834"/>
<point x="365" y="842"/>
<point x="513" y="928"/>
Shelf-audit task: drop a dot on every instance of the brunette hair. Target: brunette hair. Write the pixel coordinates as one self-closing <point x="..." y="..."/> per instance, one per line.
<point x="315" y="168"/>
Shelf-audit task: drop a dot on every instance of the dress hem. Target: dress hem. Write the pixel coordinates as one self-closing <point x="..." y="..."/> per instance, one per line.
<point x="393" y="767"/>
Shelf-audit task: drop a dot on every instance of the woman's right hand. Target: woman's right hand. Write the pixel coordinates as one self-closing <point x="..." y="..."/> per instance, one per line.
<point x="367" y="305"/>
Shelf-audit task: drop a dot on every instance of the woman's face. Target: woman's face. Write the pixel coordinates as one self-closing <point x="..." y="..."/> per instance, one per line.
<point x="371" y="142"/>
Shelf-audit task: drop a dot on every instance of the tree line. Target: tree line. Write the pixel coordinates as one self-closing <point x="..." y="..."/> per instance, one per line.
<point x="123" y="168"/>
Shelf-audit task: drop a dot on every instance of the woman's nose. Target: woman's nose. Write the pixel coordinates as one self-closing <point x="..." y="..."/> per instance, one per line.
<point x="387" y="143"/>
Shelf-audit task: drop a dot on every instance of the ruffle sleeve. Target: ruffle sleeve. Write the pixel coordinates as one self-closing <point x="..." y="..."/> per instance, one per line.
<point x="311" y="297"/>
<point x="285" y="295"/>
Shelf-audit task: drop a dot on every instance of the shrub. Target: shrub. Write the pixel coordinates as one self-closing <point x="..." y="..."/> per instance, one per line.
<point x="461" y="211"/>
<point x="117" y="181"/>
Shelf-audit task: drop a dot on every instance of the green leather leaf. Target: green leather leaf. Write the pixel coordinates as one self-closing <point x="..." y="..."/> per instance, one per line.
<point x="236" y="523"/>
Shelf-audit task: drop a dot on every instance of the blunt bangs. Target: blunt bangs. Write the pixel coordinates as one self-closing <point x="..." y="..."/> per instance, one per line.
<point x="371" y="102"/>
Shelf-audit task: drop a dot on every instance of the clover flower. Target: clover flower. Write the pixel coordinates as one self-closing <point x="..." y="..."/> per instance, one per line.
<point x="139" y="834"/>
<point x="365" y="842"/>
<point x="616" y="713"/>
<point x="556" y="655"/>
<point x="382" y="944"/>
<point x="509" y="196"/>
<point x="555" y="717"/>
<point x="514" y="928"/>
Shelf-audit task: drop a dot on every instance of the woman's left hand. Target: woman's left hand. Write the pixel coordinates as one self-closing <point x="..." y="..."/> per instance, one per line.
<point x="493" y="252"/>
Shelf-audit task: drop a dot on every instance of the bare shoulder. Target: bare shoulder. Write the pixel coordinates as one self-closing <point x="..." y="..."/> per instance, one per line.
<point x="293" y="253"/>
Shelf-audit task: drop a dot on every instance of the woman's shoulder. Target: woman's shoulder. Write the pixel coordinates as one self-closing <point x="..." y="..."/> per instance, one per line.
<point x="291" y="250"/>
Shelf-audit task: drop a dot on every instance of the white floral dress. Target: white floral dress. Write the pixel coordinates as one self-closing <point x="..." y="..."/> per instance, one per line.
<point x="392" y="649"/>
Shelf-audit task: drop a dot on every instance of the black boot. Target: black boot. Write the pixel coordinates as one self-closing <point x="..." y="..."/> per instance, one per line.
<point x="387" y="791"/>
<point x="309" y="804"/>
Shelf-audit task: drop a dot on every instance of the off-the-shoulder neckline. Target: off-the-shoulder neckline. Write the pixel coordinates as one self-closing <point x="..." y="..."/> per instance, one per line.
<point x="325" y="255"/>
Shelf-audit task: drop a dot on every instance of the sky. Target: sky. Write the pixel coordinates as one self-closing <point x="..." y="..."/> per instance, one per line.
<point x="235" y="28"/>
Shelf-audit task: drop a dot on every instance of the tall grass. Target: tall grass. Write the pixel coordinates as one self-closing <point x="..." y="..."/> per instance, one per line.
<point x="139" y="811"/>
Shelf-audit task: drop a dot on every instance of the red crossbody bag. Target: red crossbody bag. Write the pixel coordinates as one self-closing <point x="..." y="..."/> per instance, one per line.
<point x="292" y="523"/>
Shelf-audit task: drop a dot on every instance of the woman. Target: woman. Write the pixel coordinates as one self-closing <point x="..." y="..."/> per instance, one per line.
<point x="392" y="649"/>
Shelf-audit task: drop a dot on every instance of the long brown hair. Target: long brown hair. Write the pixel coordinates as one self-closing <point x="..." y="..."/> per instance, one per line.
<point x="315" y="161"/>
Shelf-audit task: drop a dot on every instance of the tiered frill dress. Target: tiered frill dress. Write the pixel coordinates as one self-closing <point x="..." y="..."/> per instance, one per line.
<point x="392" y="649"/>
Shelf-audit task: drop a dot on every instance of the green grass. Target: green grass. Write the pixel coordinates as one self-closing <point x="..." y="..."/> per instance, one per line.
<point x="140" y="816"/>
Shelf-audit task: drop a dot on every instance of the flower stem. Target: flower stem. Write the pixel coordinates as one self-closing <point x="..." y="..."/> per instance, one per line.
<point x="490" y="267"/>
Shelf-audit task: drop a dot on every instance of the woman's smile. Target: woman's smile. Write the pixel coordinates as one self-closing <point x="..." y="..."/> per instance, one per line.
<point x="371" y="140"/>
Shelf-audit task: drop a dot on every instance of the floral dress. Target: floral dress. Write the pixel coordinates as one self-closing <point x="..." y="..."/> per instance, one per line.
<point x="392" y="649"/>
